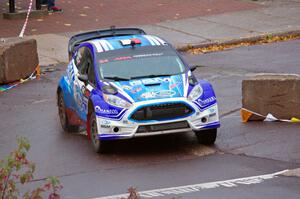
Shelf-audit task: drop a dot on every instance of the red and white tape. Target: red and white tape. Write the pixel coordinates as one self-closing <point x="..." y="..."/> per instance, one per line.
<point x="21" y="35"/>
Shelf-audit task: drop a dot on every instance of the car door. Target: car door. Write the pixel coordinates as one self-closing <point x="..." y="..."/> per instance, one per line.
<point x="82" y="63"/>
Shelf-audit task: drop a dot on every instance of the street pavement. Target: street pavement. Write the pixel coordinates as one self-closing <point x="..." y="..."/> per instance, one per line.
<point x="91" y="14"/>
<point x="241" y="150"/>
<point x="182" y="24"/>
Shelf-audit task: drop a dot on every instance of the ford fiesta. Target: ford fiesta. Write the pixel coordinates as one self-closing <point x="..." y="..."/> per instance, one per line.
<point x="123" y="83"/>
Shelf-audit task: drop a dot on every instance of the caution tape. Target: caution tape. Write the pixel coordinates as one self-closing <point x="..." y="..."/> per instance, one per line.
<point x="21" y="35"/>
<point x="248" y="115"/>
<point x="33" y="75"/>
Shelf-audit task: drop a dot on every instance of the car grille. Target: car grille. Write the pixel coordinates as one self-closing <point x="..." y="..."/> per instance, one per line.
<point x="162" y="112"/>
<point x="163" y="127"/>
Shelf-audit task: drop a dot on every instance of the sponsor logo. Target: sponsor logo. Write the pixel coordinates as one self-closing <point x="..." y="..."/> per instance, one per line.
<point x="163" y="93"/>
<point x="105" y="122"/>
<point x="148" y="95"/>
<point x="206" y="101"/>
<point x="105" y="126"/>
<point x="148" y="55"/>
<point x="106" y="111"/>
<point x="103" y="61"/>
<point x="156" y="80"/>
<point x="126" y="87"/>
<point x="173" y="85"/>
<point x="136" y="90"/>
<point x="212" y="110"/>
<point x="152" y="81"/>
<point x="136" y="83"/>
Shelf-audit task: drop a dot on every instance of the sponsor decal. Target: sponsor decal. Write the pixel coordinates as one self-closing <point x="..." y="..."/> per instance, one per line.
<point x="149" y="81"/>
<point x="105" y="126"/>
<point x="105" y="122"/>
<point x="106" y="111"/>
<point x="152" y="81"/>
<point x="171" y="86"/>
<point x="136" y="83"/>
<point x="148" y="95"/>
<point x="148" y="55"/>
<point x="162" y="93"/>
<point x="103" y="61"/>
<point x="126" y="87"/>
<point x="136" y="90"/>
<point x="206" y="101"/>
<point x="122" y="58"/>
<point x="165" y="93"/>
<point x="212" y="110"/>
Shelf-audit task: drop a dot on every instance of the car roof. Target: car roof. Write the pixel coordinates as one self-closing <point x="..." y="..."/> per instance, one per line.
<point x="117" y="42"/>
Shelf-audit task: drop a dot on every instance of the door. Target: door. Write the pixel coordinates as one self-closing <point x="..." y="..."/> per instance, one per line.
<point x="82" y="64"/>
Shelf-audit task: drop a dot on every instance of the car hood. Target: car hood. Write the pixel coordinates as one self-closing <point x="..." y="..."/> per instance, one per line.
<point x="152" y="88"/>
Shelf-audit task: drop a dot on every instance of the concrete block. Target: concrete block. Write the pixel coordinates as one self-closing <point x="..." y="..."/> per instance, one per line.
<point x="18" y="59"/>
<point x="278" y="94"/>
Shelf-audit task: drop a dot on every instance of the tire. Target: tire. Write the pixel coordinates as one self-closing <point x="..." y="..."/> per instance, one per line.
<point x="63" y="117"/>
<point x="207" y="137"/>
<point x="98" y="145"/>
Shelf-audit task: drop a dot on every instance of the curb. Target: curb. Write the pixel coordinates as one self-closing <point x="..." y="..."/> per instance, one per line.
<point x="240" y="40"/>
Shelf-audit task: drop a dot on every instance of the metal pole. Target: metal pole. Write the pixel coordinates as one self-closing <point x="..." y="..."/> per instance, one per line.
<point x="38" y="4"/>
<point x="12" y="8"/>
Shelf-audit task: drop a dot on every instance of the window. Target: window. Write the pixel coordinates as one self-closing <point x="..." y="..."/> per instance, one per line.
<point x="79" y="59"/>
<point x="91" y="73"/>
<point x="135" y="67"/>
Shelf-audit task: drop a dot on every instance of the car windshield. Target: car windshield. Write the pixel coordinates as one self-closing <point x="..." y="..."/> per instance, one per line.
<point x="133" y="66"/>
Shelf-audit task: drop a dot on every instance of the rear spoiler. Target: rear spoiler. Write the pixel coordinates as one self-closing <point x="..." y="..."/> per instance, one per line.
<point x="98" y="34"/>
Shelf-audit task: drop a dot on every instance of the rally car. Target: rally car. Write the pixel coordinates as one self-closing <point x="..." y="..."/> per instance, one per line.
<point x="123" y="83"/>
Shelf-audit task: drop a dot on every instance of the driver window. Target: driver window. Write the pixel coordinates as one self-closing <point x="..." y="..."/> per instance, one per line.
<point x="80" y="60"/>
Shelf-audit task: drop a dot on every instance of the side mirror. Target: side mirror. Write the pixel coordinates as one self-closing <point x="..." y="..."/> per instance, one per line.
<point x="194" y="67"/>
<point x="83" y="78"/>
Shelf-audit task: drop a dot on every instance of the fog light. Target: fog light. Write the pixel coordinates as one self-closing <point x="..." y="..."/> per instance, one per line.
<point x="116" y="129"/>
<point x="204" y="120"/>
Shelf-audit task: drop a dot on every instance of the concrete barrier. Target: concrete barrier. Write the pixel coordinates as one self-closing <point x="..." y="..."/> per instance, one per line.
<point x="18" y="59"/>
<point x="278" y="94"/>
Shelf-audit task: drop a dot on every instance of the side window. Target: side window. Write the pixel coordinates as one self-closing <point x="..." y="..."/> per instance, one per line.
<point x="80" y="59"/>
<point x="91" y="73"/>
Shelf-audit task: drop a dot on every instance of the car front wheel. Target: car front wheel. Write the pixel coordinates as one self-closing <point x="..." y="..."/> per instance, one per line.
<point x="207" y="137"/>
<point x="98" y="145"/>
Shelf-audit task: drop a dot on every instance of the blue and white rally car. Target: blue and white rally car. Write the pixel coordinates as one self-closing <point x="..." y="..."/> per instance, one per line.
<point x="122" y="83"/>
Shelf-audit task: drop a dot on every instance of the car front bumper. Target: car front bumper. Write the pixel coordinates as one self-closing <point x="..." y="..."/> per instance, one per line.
<point x="200" y="119"/>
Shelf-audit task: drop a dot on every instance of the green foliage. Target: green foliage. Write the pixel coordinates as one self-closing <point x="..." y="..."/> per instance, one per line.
<point x="16" y="168"/>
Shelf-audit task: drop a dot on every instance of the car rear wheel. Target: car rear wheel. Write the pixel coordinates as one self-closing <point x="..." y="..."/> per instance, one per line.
<point x="98" y="145"/>
<point x="63" y="117"/>
<point x="207" y="137"/>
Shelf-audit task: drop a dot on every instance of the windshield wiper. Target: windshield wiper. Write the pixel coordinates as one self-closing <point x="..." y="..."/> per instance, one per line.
<point x="117" y="78"/>
<point x="151" y="76"/>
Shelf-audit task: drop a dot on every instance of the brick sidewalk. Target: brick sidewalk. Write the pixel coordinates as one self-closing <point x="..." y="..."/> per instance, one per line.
<point x="82" y="15"/>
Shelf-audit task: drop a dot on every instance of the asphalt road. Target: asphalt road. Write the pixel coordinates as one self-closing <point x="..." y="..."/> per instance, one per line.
<point x="241" y="150"/>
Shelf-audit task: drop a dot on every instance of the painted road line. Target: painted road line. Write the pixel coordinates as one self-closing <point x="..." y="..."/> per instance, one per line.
<point x="197" y="187"/>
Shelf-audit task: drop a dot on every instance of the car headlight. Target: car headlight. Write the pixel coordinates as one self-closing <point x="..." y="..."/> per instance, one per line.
<point x="195" y="93"/>
<point x="116" y="101"/>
